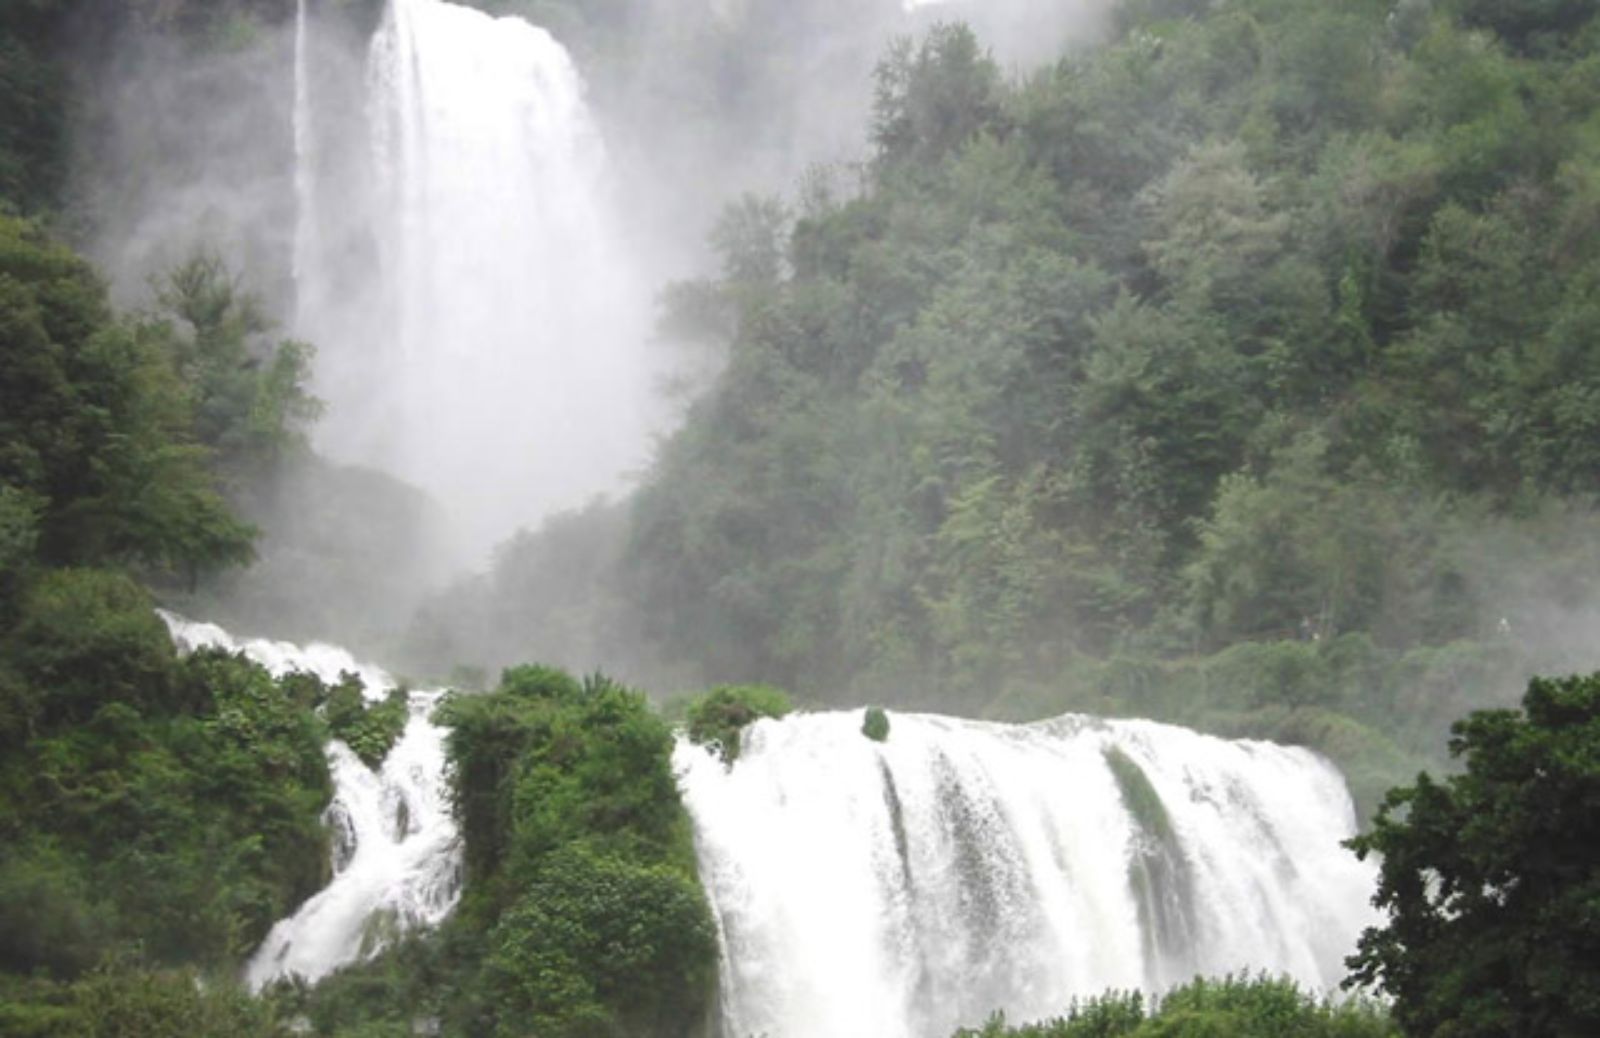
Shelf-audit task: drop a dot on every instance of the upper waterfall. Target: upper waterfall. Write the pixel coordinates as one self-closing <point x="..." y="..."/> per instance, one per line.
<point x="908" y="888"/>
<point x="481" y="330"/>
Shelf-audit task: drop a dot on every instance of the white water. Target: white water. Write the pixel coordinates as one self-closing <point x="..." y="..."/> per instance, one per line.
<point x="482" y="332"/>
<point x="396" y="851"/>
<point x="911" y="887"/>
<point x="305" y="242"/>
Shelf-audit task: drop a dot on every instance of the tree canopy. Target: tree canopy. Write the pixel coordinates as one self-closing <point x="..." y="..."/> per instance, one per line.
<point x="1491" y="878"/>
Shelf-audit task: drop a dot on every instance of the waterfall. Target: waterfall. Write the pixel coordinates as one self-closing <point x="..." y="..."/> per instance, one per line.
<point x="396" y="853"/>
<point x="305" y="249"/>
<point x="905" y="888"/>
<point x="483" y="335"/>
<point x="910" y="887"/>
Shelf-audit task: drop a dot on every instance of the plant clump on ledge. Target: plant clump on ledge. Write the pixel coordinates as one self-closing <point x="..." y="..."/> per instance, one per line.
<point x="716" y="719"/>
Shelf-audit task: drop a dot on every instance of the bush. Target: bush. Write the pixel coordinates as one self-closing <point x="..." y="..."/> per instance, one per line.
<point x="875" y="724"/>
<point x="580" y="869"/>
<point x="717" y="718"/>
<point x="1232" y="1007"/>
<point x="120" y="999"/>
<point x="369" y="729"/>
<point x="599" y="944"/>
<point x="87" y="637"/>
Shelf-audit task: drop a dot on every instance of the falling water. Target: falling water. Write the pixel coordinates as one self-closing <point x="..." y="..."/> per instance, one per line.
<point x="305" y="248"/>
<point x="910" y="887"/>
<point x="483" y="333"/>
<point x="396" y="855"/>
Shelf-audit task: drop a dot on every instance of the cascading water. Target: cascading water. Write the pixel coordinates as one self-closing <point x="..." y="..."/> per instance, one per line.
<point x="396" y="852"/>
<point x="305" y="234"/>
<point x="910" y="887"/>
<point x="483" y="334"/>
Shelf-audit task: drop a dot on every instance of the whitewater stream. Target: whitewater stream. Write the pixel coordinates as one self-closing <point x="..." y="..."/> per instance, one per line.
<point x="396" y="852"/>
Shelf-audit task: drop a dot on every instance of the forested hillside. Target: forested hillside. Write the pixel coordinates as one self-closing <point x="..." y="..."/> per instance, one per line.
<point x="1239" y="371"/>
<point x="155" y="813"/>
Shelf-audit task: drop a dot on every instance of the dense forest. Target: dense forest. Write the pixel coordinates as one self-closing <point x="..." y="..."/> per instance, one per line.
<point x="1233" y="372"/>
<point x="1237" y="371"/>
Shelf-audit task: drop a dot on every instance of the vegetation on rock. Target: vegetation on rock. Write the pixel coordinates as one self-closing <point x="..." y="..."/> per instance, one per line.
<point x="717" y="719"/>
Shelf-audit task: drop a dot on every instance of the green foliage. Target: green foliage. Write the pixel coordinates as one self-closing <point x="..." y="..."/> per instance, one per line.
<point x="250" y="398"/>
<point x="87" y="638"/>
<point x="32" y="114"/>
<point x="118" y="1000"/>
<point x="597" y="944"/>
<point x="159" y="810"/>
<point x="932" y="97"/>
<point x="1232" y="1007"/>
<point x="1232" y="373"/>
<point x="97" y="425"/>
<point x="716" y="719"/>
<point x="1139" y="796"/>
<point x="875" y="724"/>
<point x="175" y="807"/>
<point x="582" y="913"/>
<point x="369" y="729"/>
<point x="1490" y="878"/>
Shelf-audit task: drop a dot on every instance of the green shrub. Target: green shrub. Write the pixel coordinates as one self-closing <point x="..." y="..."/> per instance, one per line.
<point x="875" y="724"/>
<point x="580" y="869"/>
<point x="87" y="637"/>
<point x="120" y="1000"/>
<point x="1232" y="1007"/>
<point x="717" y="718"/>
<point x="1139" y="796"/>
<point x="369" y="729"/>
<point x="186" y="831"/>
<point x="600" y="944"/>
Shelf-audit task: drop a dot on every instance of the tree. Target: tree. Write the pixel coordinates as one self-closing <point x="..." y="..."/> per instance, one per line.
<point x="1491" y="879"/>
<point x="96" y="425"/>
<point x="250" y="396"/>
<point x="931" y="99"/>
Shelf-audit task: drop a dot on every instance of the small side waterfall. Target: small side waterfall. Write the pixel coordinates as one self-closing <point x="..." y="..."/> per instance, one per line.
<point x="908" y="888"/>
<point x="396" y="851"/>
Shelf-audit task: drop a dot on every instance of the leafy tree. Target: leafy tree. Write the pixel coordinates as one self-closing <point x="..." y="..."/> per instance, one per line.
<point x="597" y="944"/>
<point x="1490" y="878"/>
<point x="250" y="398"/>
<point x="932" y="97"/>
<point x="96" y="426"/>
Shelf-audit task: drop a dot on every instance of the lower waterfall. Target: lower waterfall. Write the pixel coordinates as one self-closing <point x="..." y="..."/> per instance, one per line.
<point x="905" y="888"/>
<point x="396" y="851"/>
<point x="914" y="886"/>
